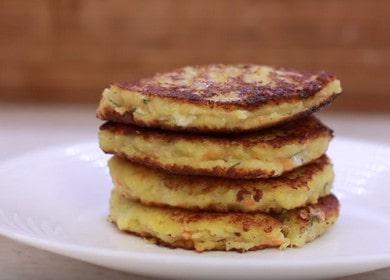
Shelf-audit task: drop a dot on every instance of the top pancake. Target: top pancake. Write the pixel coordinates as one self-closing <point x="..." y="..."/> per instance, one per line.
<point x="220" y="98"/>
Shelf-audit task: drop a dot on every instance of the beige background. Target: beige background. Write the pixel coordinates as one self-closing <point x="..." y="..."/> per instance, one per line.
<point x="69" y="50"/>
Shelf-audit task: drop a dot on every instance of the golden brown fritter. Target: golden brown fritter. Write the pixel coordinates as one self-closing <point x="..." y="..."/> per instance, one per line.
<point x="204" y="231"/>
<point x="224" y="98"/>
<point x="294" y="189"/>
<point x="261" y="154"/>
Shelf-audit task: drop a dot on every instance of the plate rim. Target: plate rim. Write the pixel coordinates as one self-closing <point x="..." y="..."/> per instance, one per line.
<point x="369" y="261"/>
<point x="72" y="248"/>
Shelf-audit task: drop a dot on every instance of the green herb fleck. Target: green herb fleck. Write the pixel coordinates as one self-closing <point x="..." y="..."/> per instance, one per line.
<point x="116" y="104"/>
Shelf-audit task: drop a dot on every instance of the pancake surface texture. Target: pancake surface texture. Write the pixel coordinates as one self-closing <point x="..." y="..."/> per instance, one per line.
<point x="262" y="154"/>
<point x="224" y="98"/>
<point x="204" y="231"/>
<point x="304" y="185"/>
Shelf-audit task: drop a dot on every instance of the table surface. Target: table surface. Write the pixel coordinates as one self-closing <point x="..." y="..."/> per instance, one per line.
<point x="28" y="127"/>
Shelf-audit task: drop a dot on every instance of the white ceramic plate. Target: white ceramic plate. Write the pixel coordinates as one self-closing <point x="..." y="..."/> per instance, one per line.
<point x="57" y="200"/>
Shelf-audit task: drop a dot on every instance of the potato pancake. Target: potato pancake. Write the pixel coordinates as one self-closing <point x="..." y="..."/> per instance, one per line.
<point x="223" y="98"/>
<point x="296" y="188"/>
<point x="203" y="231"/>
<point x="261" y="154"/>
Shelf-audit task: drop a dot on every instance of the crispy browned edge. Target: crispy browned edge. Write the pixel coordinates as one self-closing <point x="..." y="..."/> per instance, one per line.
<point x="110" y="114"/>
<point x="306" y="173"/>
<point x="188" y="244"/>
<point x="245" y="186"/>
<point x="301" y="131"/>
<point x="329" y="205"/>
<point x="187" y="170"/>
<point x="252" y="96"/>
<point x="302" y="135"/>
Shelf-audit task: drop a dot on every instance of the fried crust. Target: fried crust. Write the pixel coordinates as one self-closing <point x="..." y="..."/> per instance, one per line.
<point x="240" y="85"/>
<point x="299" y="131"/>
<point x="111" y="115"/>
<point x="277" y="230"/>
<point x="294" y="189"/>
<point x="302" y="133"/>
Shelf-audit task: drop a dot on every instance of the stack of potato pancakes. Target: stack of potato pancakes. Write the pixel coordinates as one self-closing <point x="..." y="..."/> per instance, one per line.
<point x="221" y="157"/>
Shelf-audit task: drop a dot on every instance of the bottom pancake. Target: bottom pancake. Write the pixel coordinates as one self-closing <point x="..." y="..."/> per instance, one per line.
<point x="203" y="231"/>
